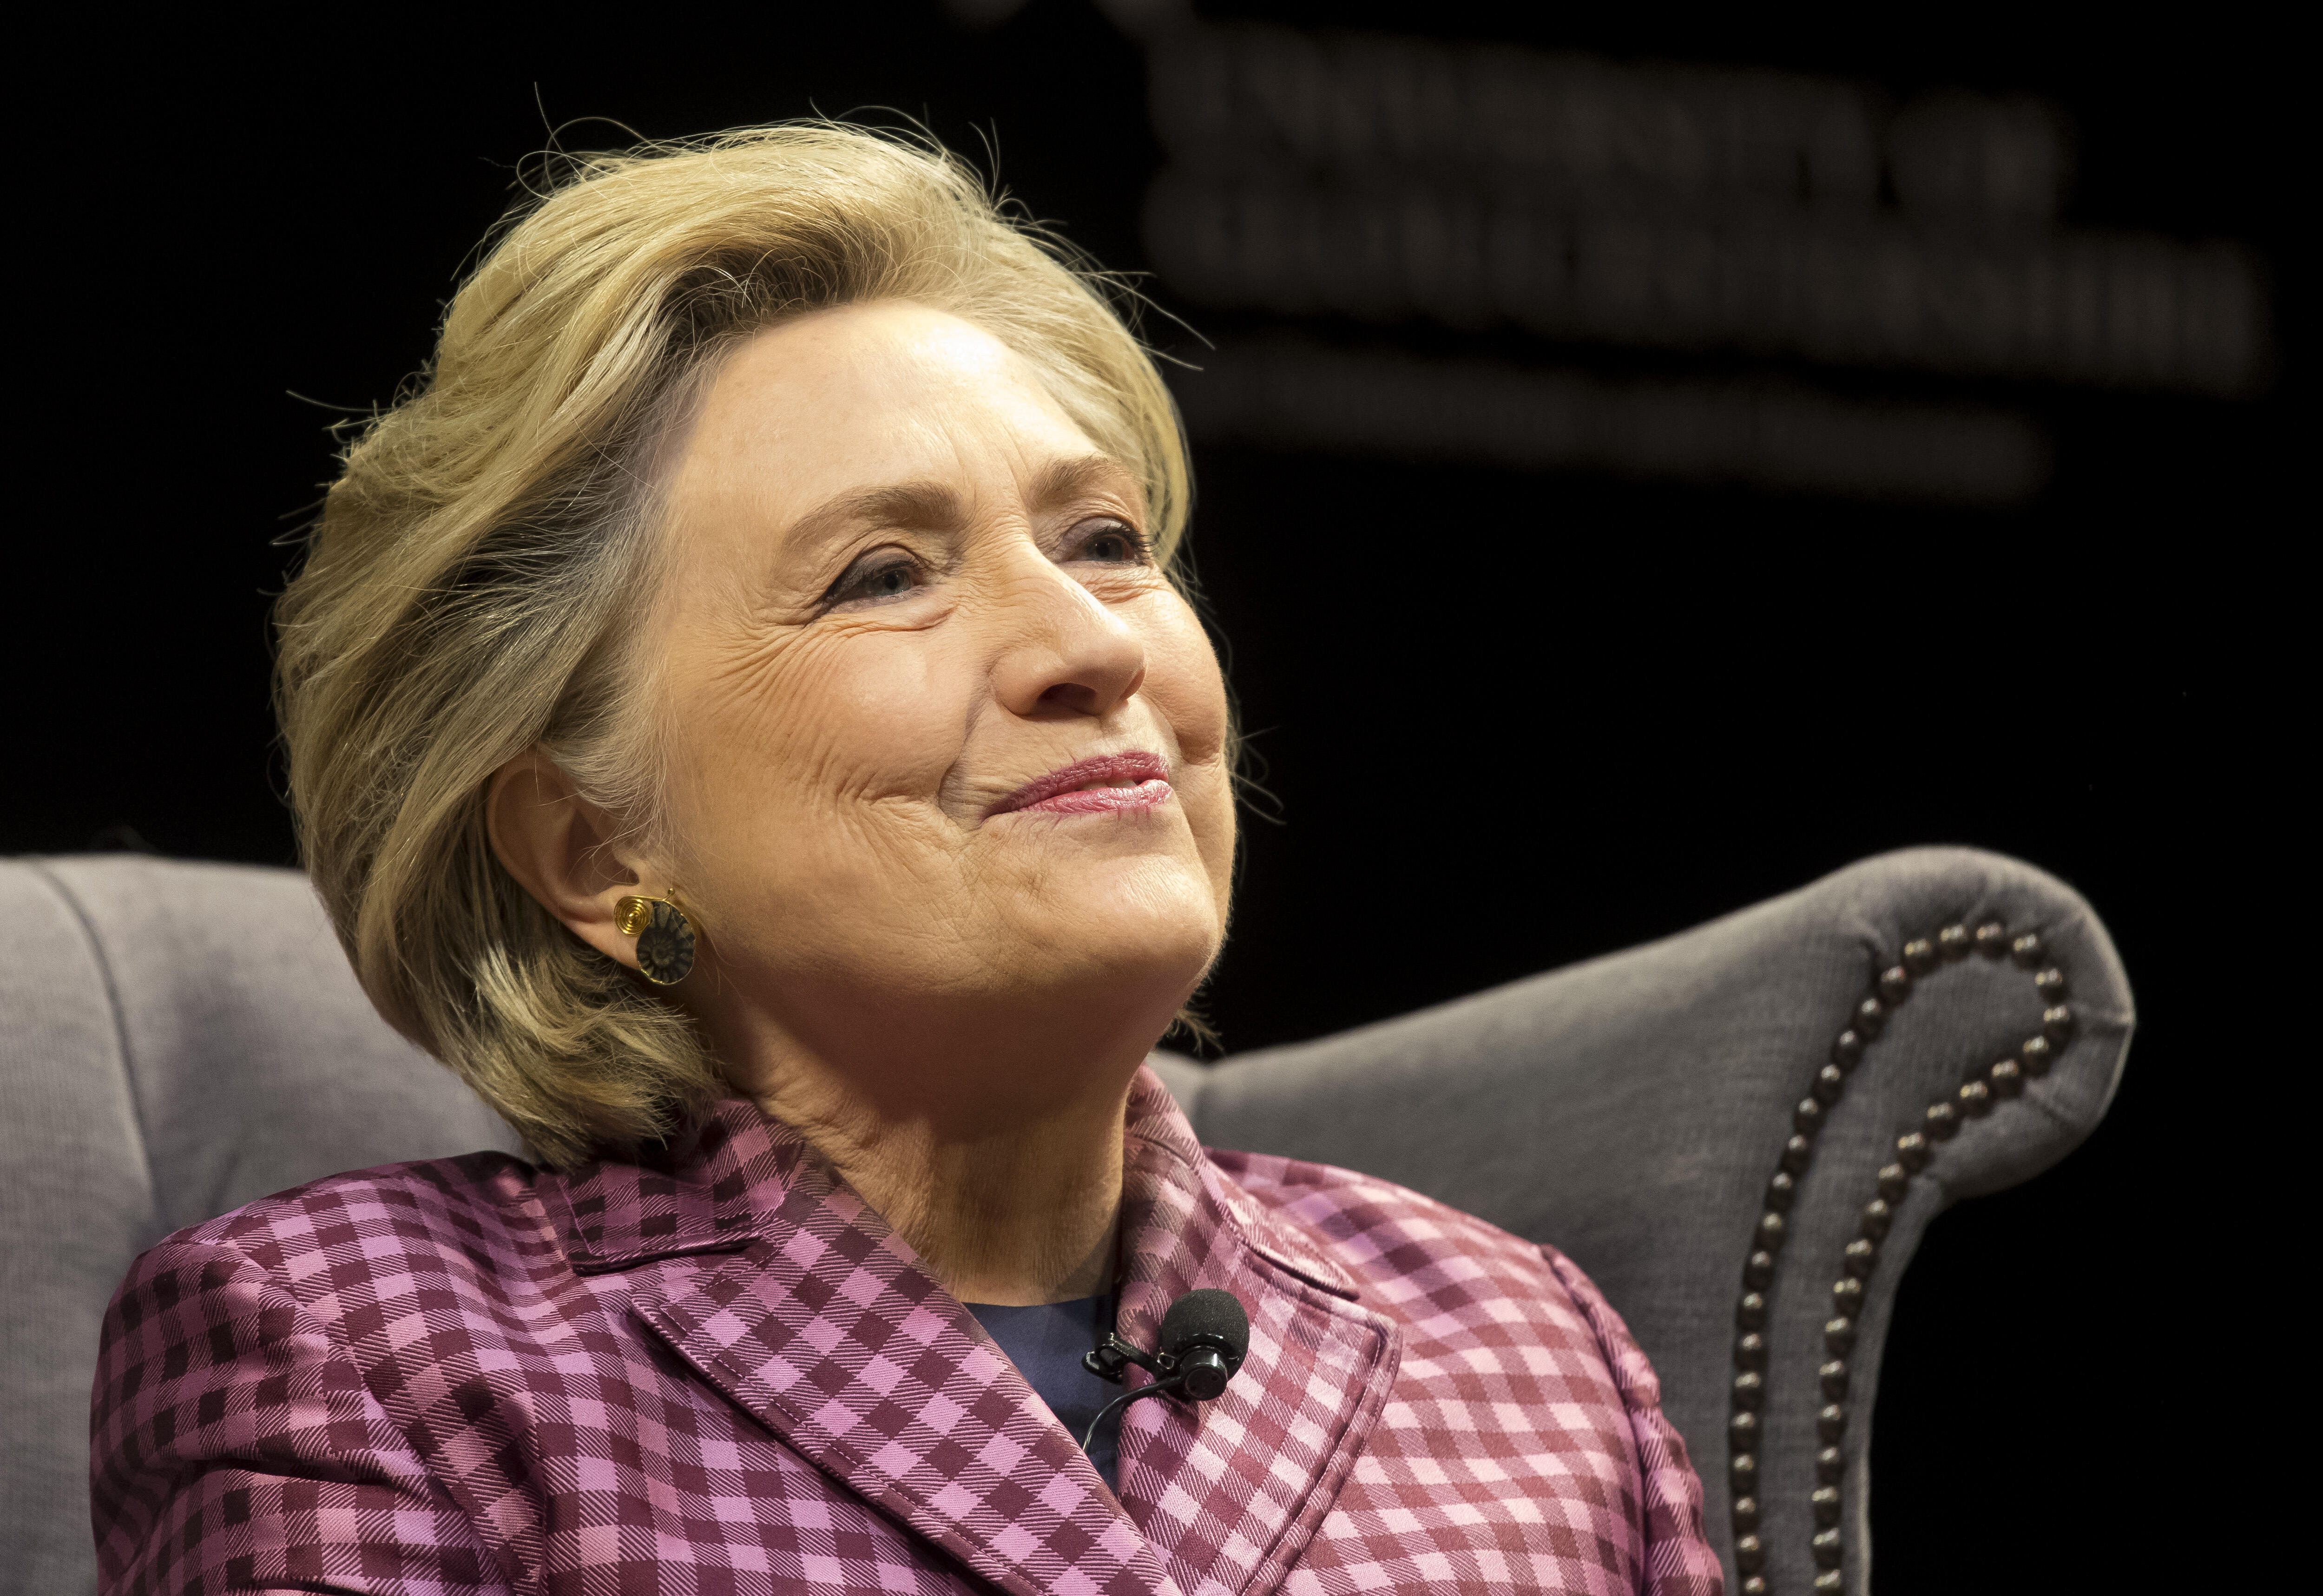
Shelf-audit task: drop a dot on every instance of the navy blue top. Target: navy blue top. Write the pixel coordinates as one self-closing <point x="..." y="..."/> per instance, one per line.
<point x="1046" y="1342"/>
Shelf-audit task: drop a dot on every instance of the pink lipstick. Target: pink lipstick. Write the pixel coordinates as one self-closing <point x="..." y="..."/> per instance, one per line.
<point x="1109" y="784"/>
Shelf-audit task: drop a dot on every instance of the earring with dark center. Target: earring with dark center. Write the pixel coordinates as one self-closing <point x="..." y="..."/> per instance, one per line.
<point x="665" y="936"/>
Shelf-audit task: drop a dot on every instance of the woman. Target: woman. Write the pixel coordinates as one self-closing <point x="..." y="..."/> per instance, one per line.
<point x="742" y="717"/>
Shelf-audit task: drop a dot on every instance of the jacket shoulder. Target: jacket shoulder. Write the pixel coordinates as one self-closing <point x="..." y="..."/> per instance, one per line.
<point x="236" y="1439"/>
<point x="475" y="1199"/>
<point x="1376" y="1231"/>
<point x="1423" y="1262"/>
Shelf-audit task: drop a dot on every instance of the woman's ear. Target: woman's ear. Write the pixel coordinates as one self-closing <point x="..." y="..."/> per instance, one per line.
<point x="562" y="850"/>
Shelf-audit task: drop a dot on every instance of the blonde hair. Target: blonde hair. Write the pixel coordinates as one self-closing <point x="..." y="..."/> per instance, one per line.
<point x="473" y="585"/>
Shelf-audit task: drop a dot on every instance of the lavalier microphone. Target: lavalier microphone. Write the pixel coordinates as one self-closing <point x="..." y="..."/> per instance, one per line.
<point x="1205" y="1337"/>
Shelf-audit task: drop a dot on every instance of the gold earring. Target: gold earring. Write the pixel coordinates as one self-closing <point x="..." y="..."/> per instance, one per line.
<point x="665" y="936"/>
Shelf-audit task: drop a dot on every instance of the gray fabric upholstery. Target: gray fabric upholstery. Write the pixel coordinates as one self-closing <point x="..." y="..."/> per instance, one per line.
<point x="175" y="1040"/>
<point x="178" y="1039"/>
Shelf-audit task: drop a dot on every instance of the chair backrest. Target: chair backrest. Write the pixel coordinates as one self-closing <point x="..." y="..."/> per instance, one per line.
<point x="175" y="1040"/>
<point x="179" y="1039"/>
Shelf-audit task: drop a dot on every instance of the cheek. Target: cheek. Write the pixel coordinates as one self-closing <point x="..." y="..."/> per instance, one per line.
<point x="1187" y="688"/>
<point x="1182" y="679"/>
<point x="803" y="741"/>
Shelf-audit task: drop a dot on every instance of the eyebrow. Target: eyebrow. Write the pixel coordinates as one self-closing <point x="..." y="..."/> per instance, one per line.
<point x="1072" y="478"/>
<point x="934" y="506"/>
<point x="918" y="506"/>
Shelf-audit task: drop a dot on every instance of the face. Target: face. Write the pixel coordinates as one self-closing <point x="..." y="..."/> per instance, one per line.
<point x="942" y="734"/>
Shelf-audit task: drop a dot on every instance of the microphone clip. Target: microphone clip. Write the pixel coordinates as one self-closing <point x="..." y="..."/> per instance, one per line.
<point x="1198" y="1368"/>
<point x="1110" y="1360"/>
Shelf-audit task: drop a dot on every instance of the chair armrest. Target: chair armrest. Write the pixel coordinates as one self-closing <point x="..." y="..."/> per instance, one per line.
<point x="1632" y="1110"/>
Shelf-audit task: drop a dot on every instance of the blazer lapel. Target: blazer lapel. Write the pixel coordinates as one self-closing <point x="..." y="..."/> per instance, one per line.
<point x="794" y="1299"/>
<point x="824" y="1326"/>
<point x="1231" y="1491"/>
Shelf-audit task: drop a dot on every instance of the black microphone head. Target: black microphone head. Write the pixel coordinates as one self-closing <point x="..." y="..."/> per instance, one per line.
<point x="1208" y="1318"/>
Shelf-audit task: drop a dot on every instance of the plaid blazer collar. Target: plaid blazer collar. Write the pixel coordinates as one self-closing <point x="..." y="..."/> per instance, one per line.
<point x="712" y="1190"/>
<point x="824" y="1326"/>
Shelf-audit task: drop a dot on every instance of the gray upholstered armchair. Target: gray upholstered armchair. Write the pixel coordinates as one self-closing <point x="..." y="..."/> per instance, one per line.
<point x="1740" y="1131"/>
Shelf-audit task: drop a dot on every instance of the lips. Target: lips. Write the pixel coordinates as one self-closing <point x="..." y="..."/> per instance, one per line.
<point x="1110" y="781"/>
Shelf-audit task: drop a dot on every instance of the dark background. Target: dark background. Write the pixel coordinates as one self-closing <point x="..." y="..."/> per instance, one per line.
<point x="1509" y="720"/>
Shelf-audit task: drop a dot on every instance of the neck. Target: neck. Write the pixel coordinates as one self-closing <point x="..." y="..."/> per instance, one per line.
<point x="1003" y="1174"/>
<point x="1024" y="1215"/>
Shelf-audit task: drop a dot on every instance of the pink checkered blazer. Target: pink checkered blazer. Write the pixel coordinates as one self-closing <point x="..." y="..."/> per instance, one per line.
<point x="721" y="1372"/>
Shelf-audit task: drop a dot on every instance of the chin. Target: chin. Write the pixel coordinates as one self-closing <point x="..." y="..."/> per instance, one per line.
<point x="1154" y="929"/>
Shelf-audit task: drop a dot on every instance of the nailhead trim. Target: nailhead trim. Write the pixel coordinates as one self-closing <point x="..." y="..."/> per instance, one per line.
<point x="1940" y="1123"/>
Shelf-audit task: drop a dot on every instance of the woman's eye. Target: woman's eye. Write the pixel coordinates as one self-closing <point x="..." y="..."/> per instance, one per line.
<point x="1112" y="543"/>
<point x="874" y="578"/>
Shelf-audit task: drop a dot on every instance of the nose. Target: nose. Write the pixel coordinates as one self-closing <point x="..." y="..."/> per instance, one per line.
<point x="1064" y="653"/>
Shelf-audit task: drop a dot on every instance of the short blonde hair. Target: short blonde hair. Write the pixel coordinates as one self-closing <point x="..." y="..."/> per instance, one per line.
<point x="475" y="584"/>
